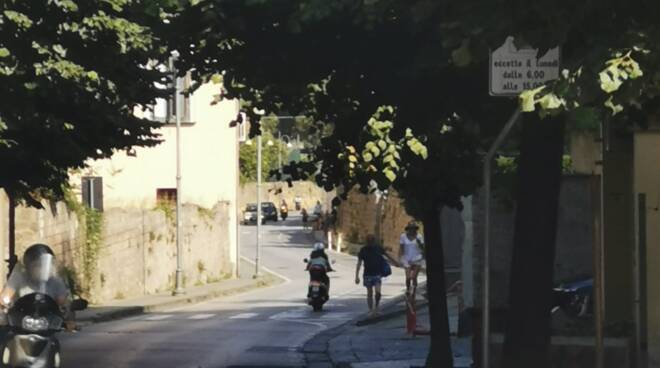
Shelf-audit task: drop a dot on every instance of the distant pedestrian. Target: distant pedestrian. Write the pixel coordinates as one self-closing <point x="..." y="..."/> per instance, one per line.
<point x="375" y="268"/>
<point x="411" y="255"/>
<point x="318" y="209"/>
<point x="298" y="202"/>
<point x="305" y="218"/>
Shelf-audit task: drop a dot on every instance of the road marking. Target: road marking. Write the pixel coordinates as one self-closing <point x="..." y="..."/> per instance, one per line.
<point x="158" y="317"/>
<point x="202" y="316"/>
<point x="308" y="314"/>
<point x="337" y="315"/>
<point x="244" y="316"/>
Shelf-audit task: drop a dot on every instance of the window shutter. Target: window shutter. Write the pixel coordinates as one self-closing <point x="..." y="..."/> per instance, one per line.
<point x="92" y="192"/>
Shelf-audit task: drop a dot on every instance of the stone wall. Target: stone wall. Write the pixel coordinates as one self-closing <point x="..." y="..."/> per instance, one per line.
<point x="463" y="235"/>
<point x="574" y="239"/>
<point x="364" y="214"/>
<point x="136" y="254"/>
<point x="307" y="190"/>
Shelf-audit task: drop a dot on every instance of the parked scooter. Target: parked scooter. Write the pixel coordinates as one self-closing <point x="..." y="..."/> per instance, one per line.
<point x="574" y="298"/>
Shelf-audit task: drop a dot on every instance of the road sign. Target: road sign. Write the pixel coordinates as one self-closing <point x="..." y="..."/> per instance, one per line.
<point x="513" y="71"/>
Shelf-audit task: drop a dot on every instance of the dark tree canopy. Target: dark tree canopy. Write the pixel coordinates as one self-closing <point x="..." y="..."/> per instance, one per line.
<point x="71" y="75"/>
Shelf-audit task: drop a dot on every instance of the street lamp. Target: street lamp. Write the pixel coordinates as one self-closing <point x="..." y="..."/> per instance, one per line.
<point x="178" y="290"/>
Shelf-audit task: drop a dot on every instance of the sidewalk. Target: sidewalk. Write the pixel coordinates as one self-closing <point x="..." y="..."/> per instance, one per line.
<point x="152" y="303"/>
<point x="383" y="344"/>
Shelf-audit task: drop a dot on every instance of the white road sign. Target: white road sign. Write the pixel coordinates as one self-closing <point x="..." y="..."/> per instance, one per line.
<point x="513" y="71"/>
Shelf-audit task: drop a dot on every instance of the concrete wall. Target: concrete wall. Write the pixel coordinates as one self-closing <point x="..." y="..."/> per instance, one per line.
<point x="307" y="190"/>
<point x="647" y="181"/>
<point x="574" y="239"/>
<point x="137" y="253"/>
<point x="209" y="163"/>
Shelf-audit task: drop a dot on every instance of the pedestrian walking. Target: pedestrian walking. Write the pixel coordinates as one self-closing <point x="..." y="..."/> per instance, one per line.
<point x="318" y="209"/>
<point x="375" y="268"/>
<point x="305" y="218"/>
<point x="411" y="256"/>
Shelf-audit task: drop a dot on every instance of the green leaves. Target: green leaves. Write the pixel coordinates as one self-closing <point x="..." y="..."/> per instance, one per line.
<point x="619" y="70"/>
<point x="86" y="59"/>
<point x="20" y="19"/>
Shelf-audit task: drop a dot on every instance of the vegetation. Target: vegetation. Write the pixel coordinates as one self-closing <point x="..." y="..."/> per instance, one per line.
<point x="403" y="85"/>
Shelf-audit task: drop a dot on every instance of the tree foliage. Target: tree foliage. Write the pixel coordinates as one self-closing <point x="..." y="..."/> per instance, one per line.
<point x="403" y="83"/>
<point x="71" y="75"/>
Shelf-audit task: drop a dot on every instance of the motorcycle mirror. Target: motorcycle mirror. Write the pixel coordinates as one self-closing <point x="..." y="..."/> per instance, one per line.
<point x="79" y="304"/>
<point x="305" y="260"/>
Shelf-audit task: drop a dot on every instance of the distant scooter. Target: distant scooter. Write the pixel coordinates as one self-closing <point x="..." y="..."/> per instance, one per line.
<point x="284" y="212"/>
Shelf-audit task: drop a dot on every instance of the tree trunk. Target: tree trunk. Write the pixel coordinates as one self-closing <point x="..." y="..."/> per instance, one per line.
<point x="12" y="260"/>
<point x="529" y="323"/>
<point x="440" y="354"/>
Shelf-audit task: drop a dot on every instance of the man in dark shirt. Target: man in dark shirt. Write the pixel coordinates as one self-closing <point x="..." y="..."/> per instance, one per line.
<point x="372" y="256"/>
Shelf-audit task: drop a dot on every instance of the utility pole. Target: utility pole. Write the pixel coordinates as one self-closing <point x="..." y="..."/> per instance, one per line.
<point x="179" y="257"/>
<point x="257" y="271"/>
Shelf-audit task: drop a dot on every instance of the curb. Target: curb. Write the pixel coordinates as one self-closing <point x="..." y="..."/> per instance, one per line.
<point x="316" y="348"/>
<point x="125" y="312"/>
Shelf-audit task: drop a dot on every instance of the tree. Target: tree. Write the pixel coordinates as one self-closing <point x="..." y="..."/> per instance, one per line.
<point x="428" y="60"/>
<point x="269" y="158"/>
<point x="72" y="75"/>
<point x="401" y="113"/>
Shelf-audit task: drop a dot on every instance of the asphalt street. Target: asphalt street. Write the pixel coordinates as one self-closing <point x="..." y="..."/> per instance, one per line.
<point x="263" y="328"/>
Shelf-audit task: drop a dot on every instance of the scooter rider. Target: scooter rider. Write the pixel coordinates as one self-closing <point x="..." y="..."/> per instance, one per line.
<point x="38" y="273"/>
<point x="319" y="258"/>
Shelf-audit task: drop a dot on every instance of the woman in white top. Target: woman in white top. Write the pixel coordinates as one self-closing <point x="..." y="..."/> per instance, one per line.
<point x="411" y="255"/>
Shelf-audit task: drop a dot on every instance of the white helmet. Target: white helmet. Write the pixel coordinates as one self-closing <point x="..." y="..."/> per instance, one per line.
<point x="319" y="246"/>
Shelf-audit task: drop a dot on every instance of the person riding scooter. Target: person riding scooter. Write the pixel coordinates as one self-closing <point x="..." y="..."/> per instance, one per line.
<point x="37" y="273"/>
<point x="284" y="210"/>
<point x="319" y="265"/>
<point x="36" y="306"/>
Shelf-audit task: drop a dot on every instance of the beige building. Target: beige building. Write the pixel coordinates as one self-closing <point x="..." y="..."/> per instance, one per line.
<point x="209" y="161"/>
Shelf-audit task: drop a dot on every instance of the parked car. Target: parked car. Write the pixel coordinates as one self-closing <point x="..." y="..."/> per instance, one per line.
<point x="269" y="211"/>
<point x="250" y="214"/>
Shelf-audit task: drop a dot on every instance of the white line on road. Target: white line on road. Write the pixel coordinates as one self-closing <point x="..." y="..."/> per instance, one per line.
<point x="286" y="279"/>
<point x="244" y="316"/>
<point x="158" y="317"/>
<point x="202" y="316"/>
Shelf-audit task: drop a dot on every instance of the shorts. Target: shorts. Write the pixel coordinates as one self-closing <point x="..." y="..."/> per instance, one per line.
<point x="371" y="281"/>
<point x="407" y="263"/>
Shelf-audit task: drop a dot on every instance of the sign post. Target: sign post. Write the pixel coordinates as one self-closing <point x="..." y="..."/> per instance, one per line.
<point x="512" y="71"/>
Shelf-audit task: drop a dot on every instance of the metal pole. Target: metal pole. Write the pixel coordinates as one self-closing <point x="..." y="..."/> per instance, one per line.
<point x="238" y="210"/>
<point x="486" y="270"/>
<point x="258" y="255"/>
<point x="179" y="257"/>
<point x="599" y="237"/>
<point x="637" y="283"/>
<point x="279" y="152"/>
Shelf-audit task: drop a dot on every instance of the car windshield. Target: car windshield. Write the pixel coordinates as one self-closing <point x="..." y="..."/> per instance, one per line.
<point x="251" y="207"/>
<point x="267" y="205"/>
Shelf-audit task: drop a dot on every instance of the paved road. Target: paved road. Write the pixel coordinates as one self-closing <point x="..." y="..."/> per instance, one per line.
<point x="263" y="328"/>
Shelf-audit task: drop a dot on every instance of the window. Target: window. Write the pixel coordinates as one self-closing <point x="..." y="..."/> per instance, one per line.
<point x="166" y="110"/>
<point x="92" y="192"/>
<point x="166" y="195"/>
<point x="243" y="129"/>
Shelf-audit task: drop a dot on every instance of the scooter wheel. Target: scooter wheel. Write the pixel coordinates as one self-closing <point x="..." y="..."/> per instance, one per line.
<point x="318" y="307"/>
